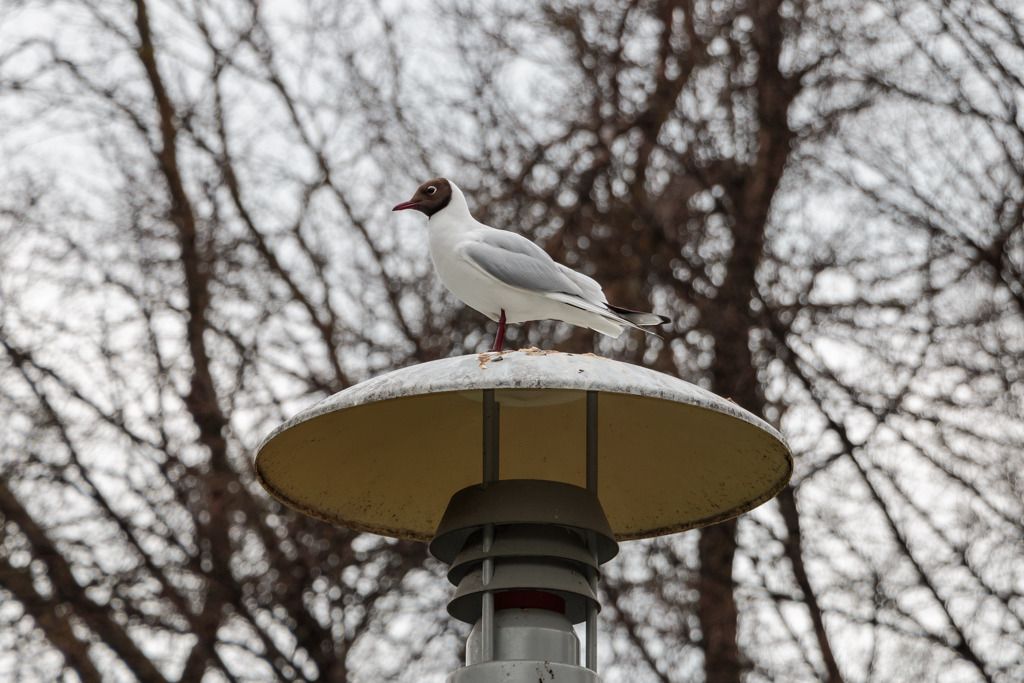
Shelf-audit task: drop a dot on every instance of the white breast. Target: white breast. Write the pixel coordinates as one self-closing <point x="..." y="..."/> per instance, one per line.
<point x="467" y="283"/>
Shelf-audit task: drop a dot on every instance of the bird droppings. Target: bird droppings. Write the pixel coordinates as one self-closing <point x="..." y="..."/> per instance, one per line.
<point x="491" y="357"/>
<point x="498" y="356"/>
<point x="486" y="357"/>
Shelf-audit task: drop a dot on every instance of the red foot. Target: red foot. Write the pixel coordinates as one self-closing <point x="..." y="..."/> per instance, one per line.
<point x="499" y="338"/>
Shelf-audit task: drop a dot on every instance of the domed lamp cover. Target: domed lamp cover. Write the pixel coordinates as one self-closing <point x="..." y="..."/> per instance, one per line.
<point x="386" y="455"/>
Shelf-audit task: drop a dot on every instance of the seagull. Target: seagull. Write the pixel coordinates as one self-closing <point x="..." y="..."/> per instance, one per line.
<point x="507" y="277"/>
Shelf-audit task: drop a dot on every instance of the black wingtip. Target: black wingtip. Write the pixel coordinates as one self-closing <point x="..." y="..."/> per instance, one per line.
<point x="638" y="317"/>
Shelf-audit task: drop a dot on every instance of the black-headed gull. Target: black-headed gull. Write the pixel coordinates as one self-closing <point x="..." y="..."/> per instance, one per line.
<point x="507" y="277"/>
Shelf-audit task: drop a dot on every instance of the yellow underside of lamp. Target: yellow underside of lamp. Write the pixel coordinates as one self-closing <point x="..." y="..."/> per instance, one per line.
<point x="386" y="455"/>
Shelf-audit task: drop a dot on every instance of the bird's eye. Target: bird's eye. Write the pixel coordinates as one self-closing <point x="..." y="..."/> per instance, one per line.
<point x="430" y="189"/>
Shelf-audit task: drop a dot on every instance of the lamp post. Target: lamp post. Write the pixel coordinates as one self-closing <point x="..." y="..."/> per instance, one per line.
<point x="523" y="470"/>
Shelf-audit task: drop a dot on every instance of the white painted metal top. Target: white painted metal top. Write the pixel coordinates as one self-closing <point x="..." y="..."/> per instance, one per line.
<point x="387" y="454"/>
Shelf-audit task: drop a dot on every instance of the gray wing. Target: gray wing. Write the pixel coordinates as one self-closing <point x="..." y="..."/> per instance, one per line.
<point x="590" y="287"/>
<point x="518" y="262"/>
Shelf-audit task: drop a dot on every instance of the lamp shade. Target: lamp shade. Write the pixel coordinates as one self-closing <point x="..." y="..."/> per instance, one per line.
<point x="386" y="455"/>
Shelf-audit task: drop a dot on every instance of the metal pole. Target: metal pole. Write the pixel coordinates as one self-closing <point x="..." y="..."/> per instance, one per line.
<point x="487" y="600"/>
<point x="491" y="423"/>
<point x="591" y="627"/>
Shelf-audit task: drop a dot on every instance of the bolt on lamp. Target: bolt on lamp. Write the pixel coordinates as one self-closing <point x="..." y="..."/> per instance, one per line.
<point x="523" y="470"/>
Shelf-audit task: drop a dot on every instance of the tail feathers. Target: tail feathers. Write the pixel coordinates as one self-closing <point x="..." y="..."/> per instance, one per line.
<point x="638" y="317"/>
<point x="611" y="318"/>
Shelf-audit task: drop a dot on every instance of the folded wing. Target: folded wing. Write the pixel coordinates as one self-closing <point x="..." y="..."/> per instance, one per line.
<point x="518" y="262"/>
<point x="590" y="287"/>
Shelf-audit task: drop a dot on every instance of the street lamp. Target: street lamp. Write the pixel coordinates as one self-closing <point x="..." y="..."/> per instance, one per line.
<point x="522" y="470"/>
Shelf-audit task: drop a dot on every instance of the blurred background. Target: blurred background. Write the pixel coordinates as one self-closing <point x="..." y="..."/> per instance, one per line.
<point x="827" y="196"/>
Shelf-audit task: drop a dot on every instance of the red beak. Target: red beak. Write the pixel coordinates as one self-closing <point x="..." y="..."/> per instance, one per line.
<point x="406" y="205"/>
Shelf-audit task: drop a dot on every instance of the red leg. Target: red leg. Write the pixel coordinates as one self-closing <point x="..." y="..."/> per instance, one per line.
<point x="499" y="338"/>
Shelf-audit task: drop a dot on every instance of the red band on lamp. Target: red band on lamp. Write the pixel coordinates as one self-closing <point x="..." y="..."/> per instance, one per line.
<point x="525" y="599"/>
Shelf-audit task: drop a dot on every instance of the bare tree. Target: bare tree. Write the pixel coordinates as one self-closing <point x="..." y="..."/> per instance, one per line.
<point x="214" y="270"/>
<point x="782" y="175"/>
<point x="826" y="197"/>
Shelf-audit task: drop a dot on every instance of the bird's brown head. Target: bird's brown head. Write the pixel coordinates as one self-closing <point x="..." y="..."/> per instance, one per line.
<point x="430" y="197"/>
